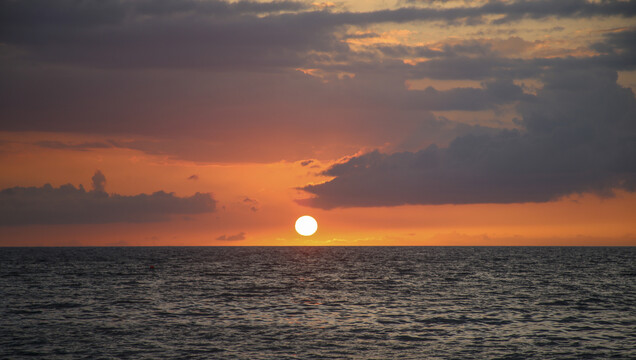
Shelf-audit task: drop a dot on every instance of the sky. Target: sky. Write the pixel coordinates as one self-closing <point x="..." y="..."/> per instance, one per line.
<point x="407" y="122"/>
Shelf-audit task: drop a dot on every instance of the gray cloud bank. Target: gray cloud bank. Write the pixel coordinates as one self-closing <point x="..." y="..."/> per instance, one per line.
<point x="70" y="205"/>
<point x="579" y="136"/>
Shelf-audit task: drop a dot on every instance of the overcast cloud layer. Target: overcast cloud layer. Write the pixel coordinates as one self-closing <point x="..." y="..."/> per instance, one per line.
<point x="534" y="110"/>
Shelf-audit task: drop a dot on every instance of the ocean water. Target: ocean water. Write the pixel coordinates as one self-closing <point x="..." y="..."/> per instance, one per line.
<point x="318" y="303"/>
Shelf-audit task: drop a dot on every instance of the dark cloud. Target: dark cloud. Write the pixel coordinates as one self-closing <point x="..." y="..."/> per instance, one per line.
<point x="70" y="205"/>
<point x="579" y="136"/>
<point x="366" y="35"/>
<point x="99" y="182"/>
<point x="114" y="67"/>
<point x="619" y="49"/>
<point x="203" y="117"/>
<point x="306" y="162"/>
<point x="228" y="35"/>
<point x="190" y="34"/>
<point x="236" y="237"/>
<point x="71" y="14"/>
<point x="252" y="203"/>
<point x="481" y="59"/>
<point x="441" y="132"/>
<point x="508" y="11"/>
<point x="193" y="177"/>
<point x="468" y="99"/>
<point x="464" y="48"/>
<point x="82" y="146"/>
<point x="539" y="9"/>
<point x="213" y="117"/>
<point x="475" y="68"/>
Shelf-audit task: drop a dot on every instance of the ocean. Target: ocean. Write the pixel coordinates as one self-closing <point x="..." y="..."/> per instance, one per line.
<point x="318" y="303"/>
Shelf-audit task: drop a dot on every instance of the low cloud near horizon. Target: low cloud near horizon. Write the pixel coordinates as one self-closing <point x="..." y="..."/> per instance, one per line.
<point x="235" y="237"/>
<point x="68" y="204"/>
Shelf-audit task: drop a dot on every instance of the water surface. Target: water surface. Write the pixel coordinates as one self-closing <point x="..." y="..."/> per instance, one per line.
<point x="318" y="302"/>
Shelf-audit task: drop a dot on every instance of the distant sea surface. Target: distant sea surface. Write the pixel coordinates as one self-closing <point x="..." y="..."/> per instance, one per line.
<point x="318" y="303"/>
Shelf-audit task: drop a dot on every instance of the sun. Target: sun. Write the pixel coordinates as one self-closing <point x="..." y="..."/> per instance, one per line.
<point x="306" y="225"/>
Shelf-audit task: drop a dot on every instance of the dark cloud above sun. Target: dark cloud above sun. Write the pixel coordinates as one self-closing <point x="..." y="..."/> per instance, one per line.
<point x="578" y="135"/>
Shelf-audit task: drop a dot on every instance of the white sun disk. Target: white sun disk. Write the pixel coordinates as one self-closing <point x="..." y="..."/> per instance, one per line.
<point x="306" y="225"/>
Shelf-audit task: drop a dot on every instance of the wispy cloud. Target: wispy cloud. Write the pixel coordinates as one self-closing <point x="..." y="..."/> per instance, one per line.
<point x="235" y="237"/>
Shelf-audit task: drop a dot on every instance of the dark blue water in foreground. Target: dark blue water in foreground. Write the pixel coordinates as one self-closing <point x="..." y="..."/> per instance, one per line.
<point x="318" y="302"/>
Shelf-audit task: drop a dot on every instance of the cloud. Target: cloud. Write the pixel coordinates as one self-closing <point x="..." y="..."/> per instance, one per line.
<point x="82" y="146"/>
<point x="116" y="67"/>
<point x="201" y="117"/>
<point x="99" y="181"/>
<point x="579" y="136"/>
<point x="193" y="177"/>
<point x="252" y="203"/>
<point x="70" y="205"/>
<point x="230" y="35"/>
<point x="236" y="237"/>
<point x="159" y="33"/>
<point x="468" y="99"/>
<point x="618" y="49"/>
